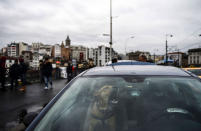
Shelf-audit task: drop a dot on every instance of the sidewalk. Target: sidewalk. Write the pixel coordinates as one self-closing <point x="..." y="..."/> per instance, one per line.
<point x="33" y="99"/>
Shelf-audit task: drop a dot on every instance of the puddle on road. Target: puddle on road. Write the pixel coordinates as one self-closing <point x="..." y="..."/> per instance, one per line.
<point x="34" y="108"/>
<point x="12" y="124"/>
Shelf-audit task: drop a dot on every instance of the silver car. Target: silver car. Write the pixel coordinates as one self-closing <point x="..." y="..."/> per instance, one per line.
<point x="125" y="98"/>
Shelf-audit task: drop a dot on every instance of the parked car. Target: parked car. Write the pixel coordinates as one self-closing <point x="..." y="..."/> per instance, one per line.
<point x="125" y="98"/>
<point x="196" y="71"/>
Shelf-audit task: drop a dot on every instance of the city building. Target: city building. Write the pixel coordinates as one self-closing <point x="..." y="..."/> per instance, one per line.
<point x="66" y="50"/>
<point x="45" y="50"/>
<point x="56" y="51"/>
<point x="139" y="56"/>
<point x="194" y="56"/>
<point x="13" y="50"/>
<point x="92" y="55"/>
<point x="30" y="48"/>
<point x="147" y="55"/>
<point x="27" y="56"/>
<point x="79" y="53"/>
<point x="22" y="47"/>
<point x="157" y="58"/>
<point x="100" y="56"/>
<point x="103" y="55"/>
<point x="36" y="46"/>
<point x="35" y="63"/>
<point x="177" y="57"/>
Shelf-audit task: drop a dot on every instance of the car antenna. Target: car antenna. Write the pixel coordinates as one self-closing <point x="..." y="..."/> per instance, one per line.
<point x="113" y="67"/>
<point x="114" y="60"/>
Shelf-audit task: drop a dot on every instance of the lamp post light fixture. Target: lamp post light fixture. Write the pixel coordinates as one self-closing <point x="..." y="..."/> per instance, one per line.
<point x="166" y="47"/>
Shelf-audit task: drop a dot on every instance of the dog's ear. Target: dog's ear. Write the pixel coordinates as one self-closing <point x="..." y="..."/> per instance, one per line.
<point x="97" y="93"/>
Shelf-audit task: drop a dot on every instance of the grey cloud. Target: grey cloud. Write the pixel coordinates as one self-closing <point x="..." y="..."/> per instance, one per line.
<point x="149" y="20"/>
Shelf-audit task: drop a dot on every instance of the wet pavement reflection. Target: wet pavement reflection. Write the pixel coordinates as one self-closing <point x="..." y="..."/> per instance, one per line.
<point x="33" y="100"/>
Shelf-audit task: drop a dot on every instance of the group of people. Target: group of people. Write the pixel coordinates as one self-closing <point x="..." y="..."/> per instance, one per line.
<point x="16" y="72"/>
<point x="46" y="73"/>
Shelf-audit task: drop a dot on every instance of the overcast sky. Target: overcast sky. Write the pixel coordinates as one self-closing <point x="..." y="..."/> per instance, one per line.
<point x="50" y="21"/>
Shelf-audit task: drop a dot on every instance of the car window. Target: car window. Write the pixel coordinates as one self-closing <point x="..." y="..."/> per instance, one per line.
<point x="125" y="103"/>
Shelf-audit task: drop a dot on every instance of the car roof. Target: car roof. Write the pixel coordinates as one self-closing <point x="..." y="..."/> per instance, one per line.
<point x="137" y="70"/>
<point x="130" y="63"/>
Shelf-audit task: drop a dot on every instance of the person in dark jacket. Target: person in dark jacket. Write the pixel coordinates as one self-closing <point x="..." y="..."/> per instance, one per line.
<point x="3" y="72"/>
<point x="47" y="73"/>
<point x="14" y="74"/>
<point x="57" y="72"/>
<point x="69" y="71"/>
<point x="23" y="71"/>
<point x="41" y="73"/>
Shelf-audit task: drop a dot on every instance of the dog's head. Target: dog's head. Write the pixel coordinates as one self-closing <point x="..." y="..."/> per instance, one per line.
<point x="103" y="97"/>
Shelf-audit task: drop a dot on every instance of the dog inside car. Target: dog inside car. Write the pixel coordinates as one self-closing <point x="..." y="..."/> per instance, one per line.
<point x="100" y="116"/>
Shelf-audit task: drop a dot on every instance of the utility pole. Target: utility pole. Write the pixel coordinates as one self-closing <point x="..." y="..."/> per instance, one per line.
<point x="178" y="58"/>
<point x="110" y="30"/>
<point x="166" y="48"/>
<point x="131" y="37"/>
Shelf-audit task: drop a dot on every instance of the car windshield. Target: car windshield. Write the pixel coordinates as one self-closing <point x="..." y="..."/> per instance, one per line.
<point x="195" y="71"/>
<point x="126" y="103"/>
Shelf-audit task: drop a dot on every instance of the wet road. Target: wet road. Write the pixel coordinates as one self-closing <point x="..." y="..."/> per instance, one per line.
<point x="11" y="102"/>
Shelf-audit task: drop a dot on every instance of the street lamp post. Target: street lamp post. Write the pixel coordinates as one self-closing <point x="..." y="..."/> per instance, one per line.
<point x="127" y="41"/>
<point x="178" y="58"/>
<point x="110" y="30"/>
<point x="166" y="47"/>
<point x="155" y="55"/>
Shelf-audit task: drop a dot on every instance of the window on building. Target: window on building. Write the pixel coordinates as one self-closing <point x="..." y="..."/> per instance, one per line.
<point x="198" y="61"/>
<point x="190" y="58"/>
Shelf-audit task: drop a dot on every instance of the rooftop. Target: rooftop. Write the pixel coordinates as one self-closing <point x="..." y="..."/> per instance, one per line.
<point x="195" y="50"/>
